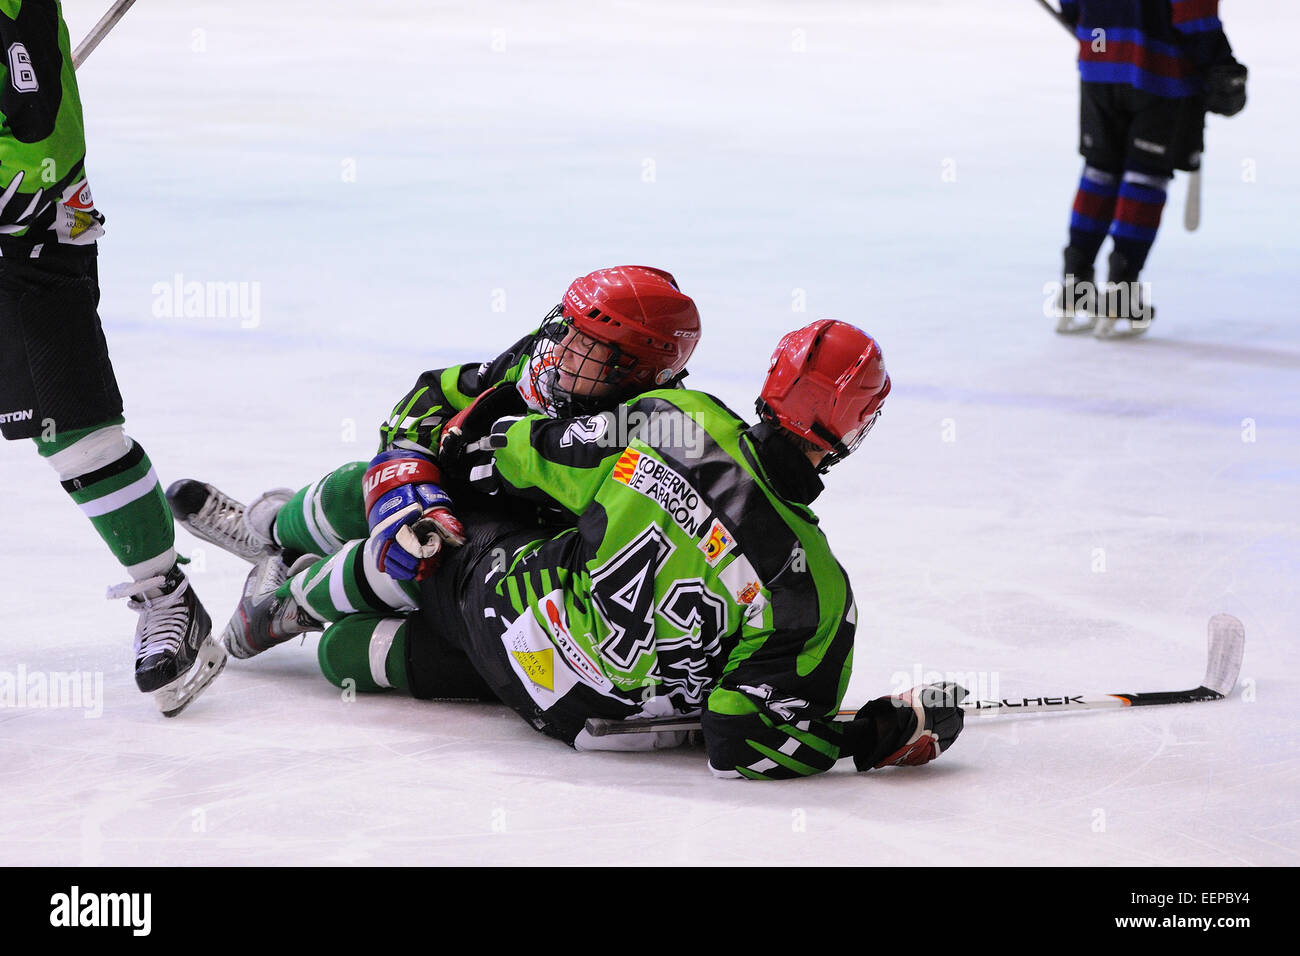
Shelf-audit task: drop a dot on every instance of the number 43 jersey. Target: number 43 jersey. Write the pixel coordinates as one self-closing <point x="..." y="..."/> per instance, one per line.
<point x="696" y="575"/>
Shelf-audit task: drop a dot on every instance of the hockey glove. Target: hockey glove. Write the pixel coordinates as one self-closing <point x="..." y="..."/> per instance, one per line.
<point x="471" y="424"/>
<point x="478" y="458"/>
<point x="907" y="729"/>
<point x="1225" y="88"/>
<point x="410" y="517"/>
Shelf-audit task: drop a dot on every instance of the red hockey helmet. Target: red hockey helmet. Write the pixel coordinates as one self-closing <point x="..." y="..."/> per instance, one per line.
<point x="826" y="383"/>
<point x="618" y="331"/>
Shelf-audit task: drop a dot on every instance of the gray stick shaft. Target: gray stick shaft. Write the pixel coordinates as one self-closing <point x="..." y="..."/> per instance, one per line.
<point x="1192" y="209"/>
<point x="100" y="30"/>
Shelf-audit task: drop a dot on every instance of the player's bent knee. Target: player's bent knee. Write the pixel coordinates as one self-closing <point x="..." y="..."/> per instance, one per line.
<point x="86" y="450"/>
<point x="365" y="653"/>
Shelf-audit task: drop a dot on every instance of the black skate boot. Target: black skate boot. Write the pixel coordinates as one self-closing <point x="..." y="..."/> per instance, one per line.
<point x="262" y="619"/>
<point x="175" y="654"/>
<point x="907" y="729"/>
<point x="212" y="515"/>
<point x="1076" y="307"/>
<point x="1123" y="300"/>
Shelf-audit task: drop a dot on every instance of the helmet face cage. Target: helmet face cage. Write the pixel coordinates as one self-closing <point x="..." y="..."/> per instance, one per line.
<point x="572" y="377"/>
<point x="840" y="447"/>
<point x="849" y="443"/>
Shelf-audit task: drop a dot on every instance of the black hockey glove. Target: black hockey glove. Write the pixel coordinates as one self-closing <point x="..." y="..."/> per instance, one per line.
<point x="1225" y="88"/>
<point x="479" y="457"/>
<point x="907" y="729"/>
<point x="471" y="424"/>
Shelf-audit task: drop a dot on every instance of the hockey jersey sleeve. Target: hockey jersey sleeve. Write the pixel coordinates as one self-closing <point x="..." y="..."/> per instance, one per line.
<point x="770" y="717"/>
<point x="1197" y="22"/>
<point x="559" y="461"/>
<point x="416" y="421"/>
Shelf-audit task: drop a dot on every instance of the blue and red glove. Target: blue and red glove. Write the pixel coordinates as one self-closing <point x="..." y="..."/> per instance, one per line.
<point x="410" y="517"/>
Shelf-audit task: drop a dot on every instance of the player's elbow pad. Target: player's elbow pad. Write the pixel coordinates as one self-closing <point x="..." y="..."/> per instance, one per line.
<point x="754" y="746"/>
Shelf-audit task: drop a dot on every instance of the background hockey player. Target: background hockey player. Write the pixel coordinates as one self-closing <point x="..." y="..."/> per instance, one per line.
<point x="696" y="576"/>
<point x="1149" y="70"/>
<point x="617" y="333"/>
<point x="56" y="381"/>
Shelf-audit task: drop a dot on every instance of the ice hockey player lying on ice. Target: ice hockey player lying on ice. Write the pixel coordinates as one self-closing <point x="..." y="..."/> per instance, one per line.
<point x="695" y="578"/>
<point x="620" y="331"/>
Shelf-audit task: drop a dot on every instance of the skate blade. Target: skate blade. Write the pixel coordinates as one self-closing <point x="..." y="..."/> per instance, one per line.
<point x="1074" y="324"/>
<point x="1108" y="328"/>
<point x="180" y="693"/>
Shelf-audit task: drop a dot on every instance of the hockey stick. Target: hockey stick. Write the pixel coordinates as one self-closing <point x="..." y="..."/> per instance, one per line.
<point x="99" y="31"/>
<point x="1226" y="640"/>
<point x="1056" y="15"/>
<point x="1192" y="209"/>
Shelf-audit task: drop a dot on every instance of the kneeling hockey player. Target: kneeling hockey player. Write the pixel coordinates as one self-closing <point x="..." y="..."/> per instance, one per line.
<point x="696" y="578"/>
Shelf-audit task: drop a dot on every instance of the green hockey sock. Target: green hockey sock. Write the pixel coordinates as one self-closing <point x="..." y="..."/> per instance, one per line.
<point x="112" y="481"/>
<point x="348" y="583"/>
<point x="326" y="513"/>
<point x="367" y="649"/>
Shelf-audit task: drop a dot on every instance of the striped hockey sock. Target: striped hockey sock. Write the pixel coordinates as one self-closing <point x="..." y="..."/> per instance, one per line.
<point x="368" y="649"/>
<point x="321" y="517"/>
<point x="1094" y="207"/>
<point x="112" y="481"/>
<point x="349" y="582"/>
<point x="1137" y="218"/>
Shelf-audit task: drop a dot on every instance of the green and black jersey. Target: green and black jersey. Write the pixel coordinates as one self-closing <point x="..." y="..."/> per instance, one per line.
<point x="417" y="420"/>
<point x="696" y="573"/>
<point x="45" y="203"/>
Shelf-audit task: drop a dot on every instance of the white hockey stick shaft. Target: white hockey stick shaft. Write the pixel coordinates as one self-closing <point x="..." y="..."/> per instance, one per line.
<point x="1226" y="644"/>
<point x="99" y="31"/>
<point x="1192" y="209"/>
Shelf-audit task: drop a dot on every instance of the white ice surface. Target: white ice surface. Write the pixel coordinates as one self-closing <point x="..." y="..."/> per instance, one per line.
<point x="501" y="149"/>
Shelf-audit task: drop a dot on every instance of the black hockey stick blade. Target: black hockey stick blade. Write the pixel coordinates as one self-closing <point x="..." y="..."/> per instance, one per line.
<point x="1226" y="644"/>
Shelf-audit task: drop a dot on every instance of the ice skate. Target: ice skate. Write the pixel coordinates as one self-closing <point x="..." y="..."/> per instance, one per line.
<point x="212" y="515"/>
<point x="263" y="619"/>
<point x="1076" y="306"/>
<point x="176" y="656"/>
<point x="1123" y="301"/>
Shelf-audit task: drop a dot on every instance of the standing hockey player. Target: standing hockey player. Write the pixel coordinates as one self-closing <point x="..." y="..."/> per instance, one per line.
<point x="696" y="577"/>
<point x="1149" y="70"/>
<point x="56" y="381"/>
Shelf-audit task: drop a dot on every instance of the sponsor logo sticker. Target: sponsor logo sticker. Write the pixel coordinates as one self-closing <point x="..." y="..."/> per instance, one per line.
<point x="665" y="487"/>
<point x="717" y="543"/>
<point x="539" y="666"/>
<point x="581" y="663"/>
